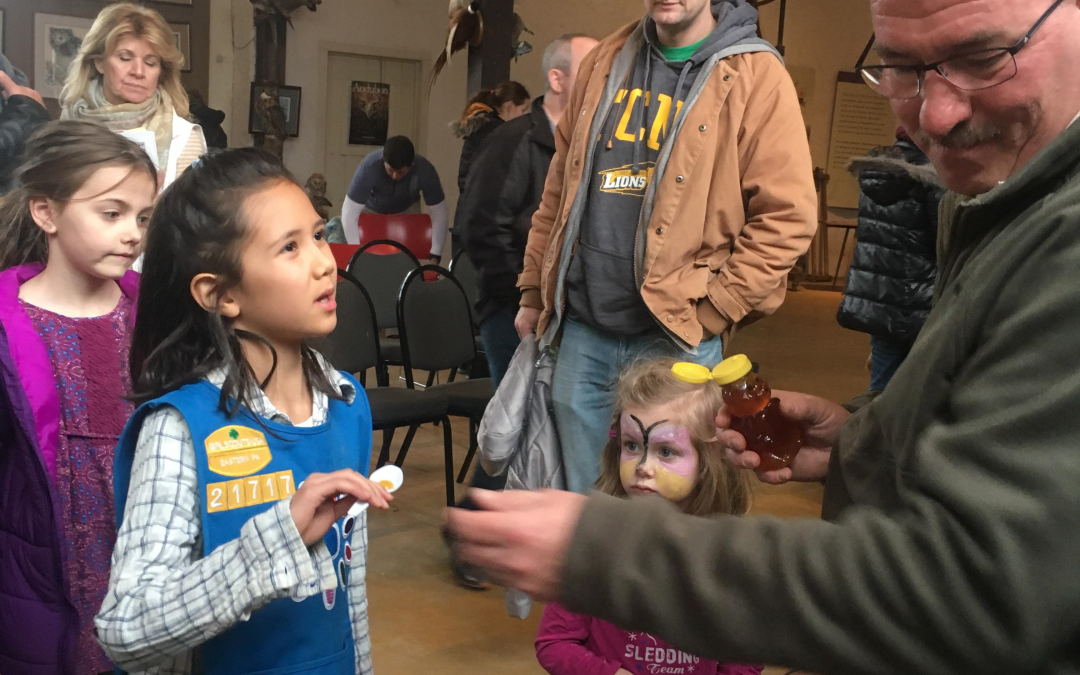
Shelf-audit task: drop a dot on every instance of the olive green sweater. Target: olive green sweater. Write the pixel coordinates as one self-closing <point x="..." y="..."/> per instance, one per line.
<point x="953" y="499"/>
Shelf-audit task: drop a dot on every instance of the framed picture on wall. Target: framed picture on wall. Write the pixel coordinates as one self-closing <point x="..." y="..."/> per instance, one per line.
<point x="369" y="113"/>
<point x="182" y="33"/>
<point x="56" y="44"/>
<point x="1" y="31"/>
<point x="174" y="2"/>
<point x="288" y="98"/>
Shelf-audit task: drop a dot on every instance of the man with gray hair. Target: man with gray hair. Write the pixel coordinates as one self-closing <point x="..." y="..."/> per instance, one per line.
<point x="503" y="190"/>
<point x="952" y="509"/>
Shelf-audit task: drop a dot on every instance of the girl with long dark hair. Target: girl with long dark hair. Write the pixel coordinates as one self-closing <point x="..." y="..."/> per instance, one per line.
<point x="235" y="477"/>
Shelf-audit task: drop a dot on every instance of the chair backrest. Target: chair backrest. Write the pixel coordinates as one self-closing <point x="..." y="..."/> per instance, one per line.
<point x="411" y="230"/>
<point x="464" y="271"/>
<point x="435" y="322"/>
<point x="381" y="275"/>
<point x="353" y="346"/>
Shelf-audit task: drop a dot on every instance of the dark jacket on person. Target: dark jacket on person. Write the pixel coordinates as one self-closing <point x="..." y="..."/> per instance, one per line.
<point x="21" y="117"/>
<point x="495" y="211"/>
<point x="474" y="131"/>
<point x="890" y="285"/>
<point x="210" y="120"/>
<point x="952" y="501"/>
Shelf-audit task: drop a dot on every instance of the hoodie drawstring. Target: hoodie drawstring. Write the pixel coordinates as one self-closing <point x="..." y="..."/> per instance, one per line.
<point x="643" y="117"/>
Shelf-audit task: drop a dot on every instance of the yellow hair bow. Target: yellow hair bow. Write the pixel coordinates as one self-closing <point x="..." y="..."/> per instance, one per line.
<point x="727" y="371"/>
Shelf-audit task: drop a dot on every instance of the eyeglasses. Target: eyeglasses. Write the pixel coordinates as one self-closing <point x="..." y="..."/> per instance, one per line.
<point x="970" y="72"/>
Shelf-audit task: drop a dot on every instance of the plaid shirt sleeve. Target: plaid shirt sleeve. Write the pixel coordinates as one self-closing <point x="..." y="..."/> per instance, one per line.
<point x="358" y="604"/>
<point x="165" y="598"/>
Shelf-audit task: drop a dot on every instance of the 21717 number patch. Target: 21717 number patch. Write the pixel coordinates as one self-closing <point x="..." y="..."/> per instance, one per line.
<point x="250" y="491"/>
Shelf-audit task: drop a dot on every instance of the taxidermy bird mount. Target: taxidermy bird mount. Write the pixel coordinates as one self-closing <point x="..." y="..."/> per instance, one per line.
<point x="518" y="46"/>
<point x="268" y="108"/>
<point x="466" y="28"/>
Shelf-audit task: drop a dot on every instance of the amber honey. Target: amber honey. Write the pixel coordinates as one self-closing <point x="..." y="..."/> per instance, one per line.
<point x="756" y="414"/>
<point x="386" y="484"/>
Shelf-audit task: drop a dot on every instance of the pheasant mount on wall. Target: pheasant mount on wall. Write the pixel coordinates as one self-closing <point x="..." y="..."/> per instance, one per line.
<point x="466" y="29"/>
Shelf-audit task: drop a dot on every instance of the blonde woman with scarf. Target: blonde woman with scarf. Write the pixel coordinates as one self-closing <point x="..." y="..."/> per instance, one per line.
<point x="127" y="77"/>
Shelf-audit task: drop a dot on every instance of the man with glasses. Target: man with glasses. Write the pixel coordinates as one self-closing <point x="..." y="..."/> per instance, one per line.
<point x="952" y="500"/>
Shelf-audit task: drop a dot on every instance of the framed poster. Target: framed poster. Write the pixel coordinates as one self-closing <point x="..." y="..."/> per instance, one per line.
<point x="369" y="113"/>
<point x="56" y="44"/>
<point x="288" y="99"/>
<point x="862" y="120"/>
<point x="182" y="34"/>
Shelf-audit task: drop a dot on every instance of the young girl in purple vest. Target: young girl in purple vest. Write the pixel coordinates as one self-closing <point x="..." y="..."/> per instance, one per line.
<point x="67" y="303"/>
<point x="663" y="444"/>
<point x="239" y="550"/>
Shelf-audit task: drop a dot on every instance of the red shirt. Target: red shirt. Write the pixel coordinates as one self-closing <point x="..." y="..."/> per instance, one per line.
<point x="576" y="644"/>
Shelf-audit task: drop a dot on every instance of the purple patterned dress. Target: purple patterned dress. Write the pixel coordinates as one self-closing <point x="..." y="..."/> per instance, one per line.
<point x="90" y="360"/>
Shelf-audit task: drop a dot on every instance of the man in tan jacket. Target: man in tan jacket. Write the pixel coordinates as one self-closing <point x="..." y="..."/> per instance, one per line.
<point x="680" y="195"/>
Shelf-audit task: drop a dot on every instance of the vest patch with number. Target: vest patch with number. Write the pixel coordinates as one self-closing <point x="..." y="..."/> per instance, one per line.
<point x="237" y="451"/>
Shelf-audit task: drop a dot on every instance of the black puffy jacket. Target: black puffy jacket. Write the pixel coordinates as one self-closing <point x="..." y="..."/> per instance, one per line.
<point x="890" y="285"/>
<point x="495" y="211"/>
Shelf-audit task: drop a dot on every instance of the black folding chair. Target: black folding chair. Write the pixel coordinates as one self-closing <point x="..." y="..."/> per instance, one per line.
<point x="353" y="346"/>
<point x="435" y="322"/>
<point x="381" y="274"/>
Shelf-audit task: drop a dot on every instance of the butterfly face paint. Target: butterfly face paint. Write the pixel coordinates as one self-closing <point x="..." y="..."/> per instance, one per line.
<point x="656" y="458"/>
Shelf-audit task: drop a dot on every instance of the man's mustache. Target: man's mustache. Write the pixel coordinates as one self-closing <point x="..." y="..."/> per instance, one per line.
<point x="962" y="137"/>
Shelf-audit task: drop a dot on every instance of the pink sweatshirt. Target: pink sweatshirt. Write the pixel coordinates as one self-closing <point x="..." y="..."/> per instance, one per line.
<point x="576" y="644"/>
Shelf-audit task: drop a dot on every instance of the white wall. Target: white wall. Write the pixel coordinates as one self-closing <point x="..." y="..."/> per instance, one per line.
<point x="232" y="65"/>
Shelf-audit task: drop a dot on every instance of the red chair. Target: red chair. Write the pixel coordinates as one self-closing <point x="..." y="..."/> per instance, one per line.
<point x="412" y="230"/>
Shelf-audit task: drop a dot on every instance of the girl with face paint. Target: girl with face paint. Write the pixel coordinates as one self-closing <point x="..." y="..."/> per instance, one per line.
<point x="663" y="444"/>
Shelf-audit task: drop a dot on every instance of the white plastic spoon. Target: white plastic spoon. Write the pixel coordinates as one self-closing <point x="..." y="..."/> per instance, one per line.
<point x="390" y="477"/>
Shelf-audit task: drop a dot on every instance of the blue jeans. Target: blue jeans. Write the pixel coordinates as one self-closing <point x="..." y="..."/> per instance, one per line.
<point x="500" y="341"/>
<point x="885" y="357"/>
<point x="586" y="371"/>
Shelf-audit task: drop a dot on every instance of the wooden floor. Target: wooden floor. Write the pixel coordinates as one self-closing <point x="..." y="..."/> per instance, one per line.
<point x="422" y="623"/>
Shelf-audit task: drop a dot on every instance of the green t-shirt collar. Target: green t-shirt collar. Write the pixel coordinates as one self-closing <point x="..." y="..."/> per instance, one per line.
<point x="677" y="54"/>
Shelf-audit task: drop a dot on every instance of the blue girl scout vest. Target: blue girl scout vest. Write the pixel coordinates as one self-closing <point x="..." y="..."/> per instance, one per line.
<point x="243" y="471"/>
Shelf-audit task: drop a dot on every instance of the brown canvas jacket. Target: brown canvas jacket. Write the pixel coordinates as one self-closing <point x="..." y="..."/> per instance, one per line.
<point x="726" y="216"/>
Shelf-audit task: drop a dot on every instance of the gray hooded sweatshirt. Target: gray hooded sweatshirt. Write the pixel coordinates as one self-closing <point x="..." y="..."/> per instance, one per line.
<point x="601" y="286"/>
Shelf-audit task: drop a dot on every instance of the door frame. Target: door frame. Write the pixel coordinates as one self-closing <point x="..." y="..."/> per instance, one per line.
<point x="327" y="48"/>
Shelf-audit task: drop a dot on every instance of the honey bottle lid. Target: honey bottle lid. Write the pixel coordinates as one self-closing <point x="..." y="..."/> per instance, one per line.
<point x="731" y="369"/>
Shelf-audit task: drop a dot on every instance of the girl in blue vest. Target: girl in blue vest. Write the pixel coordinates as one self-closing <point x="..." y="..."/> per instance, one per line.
<point x="236" y="552"/>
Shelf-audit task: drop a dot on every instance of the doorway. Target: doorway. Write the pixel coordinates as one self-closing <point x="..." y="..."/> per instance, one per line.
<point x="403" y="79"/>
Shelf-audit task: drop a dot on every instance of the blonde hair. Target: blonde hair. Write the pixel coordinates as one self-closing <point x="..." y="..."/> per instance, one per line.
<point x="721" y="488"/>
<point x="113" y="24"/>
